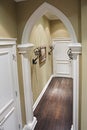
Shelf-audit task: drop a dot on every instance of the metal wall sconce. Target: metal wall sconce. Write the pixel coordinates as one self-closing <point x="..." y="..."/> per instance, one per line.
<point x="37" y="53"/>
<point x="51" y="50"/>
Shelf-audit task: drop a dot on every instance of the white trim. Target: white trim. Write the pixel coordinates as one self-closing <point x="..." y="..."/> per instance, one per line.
<point x="6" y="106"/>
<point x="24" y="50"/>
<point x="75" y="47"/>
<point x="31" y="126"/>
<point x="7" y="41"/>
<point x="25" y="47"/>
<point x="63" y="39"/>
<point x="76" y="50"/>
<point x="44" y="8"/>
<point x="55" y="75"/>
<point x="16" y="83"/>
<point x="11" y="42"/>
<point x="72" y="127"/>
<point x="19" y="0"/>
<point x="42" y="93"/>
<point x="6" y="116"/>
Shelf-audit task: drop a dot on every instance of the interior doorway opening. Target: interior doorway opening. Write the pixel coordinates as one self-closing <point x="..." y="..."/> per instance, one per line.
<point x="50" y="33"/>
<point x="43" y="9"/>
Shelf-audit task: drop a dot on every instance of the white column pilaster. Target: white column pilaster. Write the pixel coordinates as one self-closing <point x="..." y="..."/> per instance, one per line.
<point x="75" y="92"/>
<point x="76" y="50"/>
<point x="24" y="50"/>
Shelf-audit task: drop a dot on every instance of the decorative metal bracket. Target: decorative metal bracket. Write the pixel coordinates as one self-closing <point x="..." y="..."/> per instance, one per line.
<point x="69" y="53"/>
<point x="51" y="49"/>
<point x="37" y="53"/>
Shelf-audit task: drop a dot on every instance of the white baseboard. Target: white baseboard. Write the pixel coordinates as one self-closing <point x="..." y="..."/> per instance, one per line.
<point x="72" y="127"/>
<point x="42" y="92"/>
<point x="55" y="75"/>
<point x="31" y="126"/>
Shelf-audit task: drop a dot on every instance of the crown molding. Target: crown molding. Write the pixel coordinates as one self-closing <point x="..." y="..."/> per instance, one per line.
<point x="19" y="0"/>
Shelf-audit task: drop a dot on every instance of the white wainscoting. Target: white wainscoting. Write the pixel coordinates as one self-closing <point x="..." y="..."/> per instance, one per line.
<point x="72" y="127"/>
<point x="63" y="68"/>
<point x="62" y="65"/>
<point x="10" y="112"/>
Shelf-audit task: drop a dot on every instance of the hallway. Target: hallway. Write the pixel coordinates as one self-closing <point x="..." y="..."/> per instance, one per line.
<point x="54" y="111"/>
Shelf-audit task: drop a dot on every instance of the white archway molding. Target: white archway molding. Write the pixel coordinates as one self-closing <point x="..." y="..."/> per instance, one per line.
<point x="43" y="9"/>
<point x="24" y="50"/>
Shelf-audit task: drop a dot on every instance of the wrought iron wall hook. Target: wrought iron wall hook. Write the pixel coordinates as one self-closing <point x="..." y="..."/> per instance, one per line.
<point x="34" y="60"/>
<point x="51" y="49"/>
<point x="69" y="53"/>
<point x="37" y="53"/>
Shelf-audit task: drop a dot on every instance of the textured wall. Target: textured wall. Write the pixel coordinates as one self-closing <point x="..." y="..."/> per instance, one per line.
<point x="8" y="25"/>
<point x="58" y="30"/>
<point x="40" y="36"/>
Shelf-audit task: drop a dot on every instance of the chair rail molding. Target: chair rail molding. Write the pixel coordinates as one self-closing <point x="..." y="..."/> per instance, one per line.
<point x="24" y="50"/>
<point x="76" y="51"/>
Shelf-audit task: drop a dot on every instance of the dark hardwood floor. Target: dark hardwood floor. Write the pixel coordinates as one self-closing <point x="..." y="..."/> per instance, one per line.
<point x="54" y="111"/>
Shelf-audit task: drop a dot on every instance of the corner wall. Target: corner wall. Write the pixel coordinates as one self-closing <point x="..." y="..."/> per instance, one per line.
<point x="40" y="73"/>
<point x="8" y="25"/>
<point x="84" y="64"/>
<point x="58" y="30"/>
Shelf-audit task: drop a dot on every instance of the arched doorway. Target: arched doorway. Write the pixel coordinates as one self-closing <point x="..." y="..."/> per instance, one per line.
<point x="45" y="7"/>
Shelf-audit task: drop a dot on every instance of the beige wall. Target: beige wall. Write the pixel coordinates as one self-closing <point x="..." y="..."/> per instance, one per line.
<point x="58" y="30"/>
<point x="84" y="65"/>
<point x="8" y="25"/>
<point x="69" y="8"/>
<point x="42" y="33"/>
<point x="40" y="36"/>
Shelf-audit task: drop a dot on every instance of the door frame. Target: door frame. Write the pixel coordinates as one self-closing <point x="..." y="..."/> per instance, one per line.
<point x="39" y="12"/>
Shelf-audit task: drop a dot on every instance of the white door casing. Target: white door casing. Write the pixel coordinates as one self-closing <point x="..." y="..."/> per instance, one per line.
<point x="62" y="64"/>
<point x="10" y="113"/>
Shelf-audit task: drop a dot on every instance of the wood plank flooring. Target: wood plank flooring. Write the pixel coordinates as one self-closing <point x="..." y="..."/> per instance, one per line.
<point x="54" y="111"/>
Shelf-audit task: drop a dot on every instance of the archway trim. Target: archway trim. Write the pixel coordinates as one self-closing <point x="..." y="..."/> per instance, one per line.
<point x="43" y="9"/>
